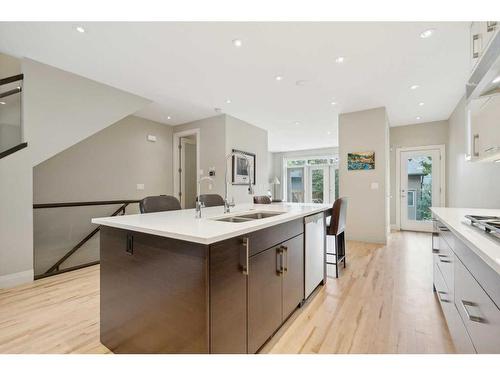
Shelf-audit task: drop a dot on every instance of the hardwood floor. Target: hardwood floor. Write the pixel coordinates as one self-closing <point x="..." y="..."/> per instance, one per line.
<point x="382" y="303"/>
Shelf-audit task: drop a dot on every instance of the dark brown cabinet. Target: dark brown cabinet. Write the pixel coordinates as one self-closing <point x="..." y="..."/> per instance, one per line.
<point x="293" y="275"/>
<point x="275" y="289"/>
<point x="228" y="297"/>
<point x="264" y="297"/>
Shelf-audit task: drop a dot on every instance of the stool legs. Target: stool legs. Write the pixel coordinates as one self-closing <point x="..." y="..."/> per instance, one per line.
<point x="339" y="254"/>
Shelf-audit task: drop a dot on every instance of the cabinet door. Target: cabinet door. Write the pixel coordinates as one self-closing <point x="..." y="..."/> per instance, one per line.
<point x="228" y="297"/>
<point x="264" y="297"/>
<point x="293" y="275"/>
<point x="479" y="313"/>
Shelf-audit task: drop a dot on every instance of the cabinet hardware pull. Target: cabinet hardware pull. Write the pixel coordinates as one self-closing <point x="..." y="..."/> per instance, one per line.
<point x="443" y="258"/>
<point x="279" y="260"/>
<point x="473" y="318"/>
<point x="285" y="255"/>
<point x="130" y="244"/>
<point x="475" y="46"/>
<point x="491" y="26"/>
<point x="246" y="243"/>
<point x="475" y="137"/>
<point x="444" y="300"/>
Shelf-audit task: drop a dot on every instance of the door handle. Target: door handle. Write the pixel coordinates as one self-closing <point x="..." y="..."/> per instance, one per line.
<point x="475" y="137"/>
<point x="473" y="318"/>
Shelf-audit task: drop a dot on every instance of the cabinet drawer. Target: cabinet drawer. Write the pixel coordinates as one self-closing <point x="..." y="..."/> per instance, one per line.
<point x="444" y="259"/>
<point x="265" y="238"/>
<point x="479" y="314"/>
<point x="459" y="334"/>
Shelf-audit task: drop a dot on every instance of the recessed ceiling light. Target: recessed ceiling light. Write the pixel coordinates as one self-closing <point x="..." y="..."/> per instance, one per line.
<point x="228" y="101"/>
<point x="301" y="82"/>
<point x="497" y="161"/>
<point x="169" y="118"/>
<point x="419" y="118"/>
<point x="297" y="122"/>
<point x="237" y="42"/>
<point x="427" y="33"/>
<point x="414" y="87"/>
<point x="80" y="29"/>
<point x="340" y="59"/>
<point x="334" y="103"/>
<point x="2" y="103"/>
<point x="496" y="80"/>
<point x="328" y="132"/>
<point x="421" y="104"/>
<point x="279" y="78"/>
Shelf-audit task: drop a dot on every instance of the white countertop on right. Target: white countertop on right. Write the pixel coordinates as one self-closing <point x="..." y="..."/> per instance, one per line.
<point x="486" y="246"/>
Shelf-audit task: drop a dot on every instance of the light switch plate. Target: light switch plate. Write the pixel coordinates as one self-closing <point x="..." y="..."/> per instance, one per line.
<point x="374" y="185"/>
<point x="140" y="186"/>
<point x="152" y="138"/>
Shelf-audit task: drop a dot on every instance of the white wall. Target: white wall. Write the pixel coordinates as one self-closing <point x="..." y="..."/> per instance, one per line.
<point x="473" y="185"/>
<point x="368" y="209"/>
<point x="212" y="147"/>
<point x="424" y="134"/>
<point x="59" y="110"/>
<point x="243" y="136"/>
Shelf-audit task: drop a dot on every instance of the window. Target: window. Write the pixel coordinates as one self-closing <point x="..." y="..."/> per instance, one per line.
<point x="411" y="198"/>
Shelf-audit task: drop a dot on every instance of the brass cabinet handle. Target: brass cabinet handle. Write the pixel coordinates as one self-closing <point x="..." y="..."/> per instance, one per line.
<point x="473" y="318"/>
<point x="246" y="243"/>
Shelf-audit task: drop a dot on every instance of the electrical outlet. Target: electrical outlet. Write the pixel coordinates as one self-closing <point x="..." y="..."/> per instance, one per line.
<point x="140" y="186"/>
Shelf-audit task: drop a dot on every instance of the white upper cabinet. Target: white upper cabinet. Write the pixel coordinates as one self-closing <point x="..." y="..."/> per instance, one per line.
<point x="481" y="34"/>
<point x="483" y="93"/>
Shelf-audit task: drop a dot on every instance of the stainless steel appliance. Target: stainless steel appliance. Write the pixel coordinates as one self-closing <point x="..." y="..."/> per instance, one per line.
<point x="314" y="228"/>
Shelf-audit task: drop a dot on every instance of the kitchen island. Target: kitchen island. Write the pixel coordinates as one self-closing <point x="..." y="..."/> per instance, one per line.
<point x="223" y="283"/>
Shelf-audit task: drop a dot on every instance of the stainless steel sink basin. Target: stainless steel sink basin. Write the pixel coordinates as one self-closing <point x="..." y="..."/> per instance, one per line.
<point x="260" y="215"/>
<point x="248" y="217"/>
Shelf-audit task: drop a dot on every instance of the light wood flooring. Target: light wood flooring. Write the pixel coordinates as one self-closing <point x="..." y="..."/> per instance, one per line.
<point x="382" y="303"/>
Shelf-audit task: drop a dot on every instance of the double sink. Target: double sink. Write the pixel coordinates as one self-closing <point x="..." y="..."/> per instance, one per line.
<point x="243" y="218"/>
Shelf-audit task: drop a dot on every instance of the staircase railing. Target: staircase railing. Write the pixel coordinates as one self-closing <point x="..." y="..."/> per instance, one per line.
<point x="56" y="267"/>
<point x="8" y="102"/>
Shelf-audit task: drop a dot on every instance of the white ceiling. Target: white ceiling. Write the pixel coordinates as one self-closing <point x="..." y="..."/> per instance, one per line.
<point x="188" y="69"/>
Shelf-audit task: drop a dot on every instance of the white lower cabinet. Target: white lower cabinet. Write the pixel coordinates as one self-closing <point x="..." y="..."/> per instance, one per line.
<point x="479" y="313"/>
<point x="472" y="316"/>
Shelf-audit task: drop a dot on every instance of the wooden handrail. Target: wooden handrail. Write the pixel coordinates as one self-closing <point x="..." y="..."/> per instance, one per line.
<point x="79" y="204"/>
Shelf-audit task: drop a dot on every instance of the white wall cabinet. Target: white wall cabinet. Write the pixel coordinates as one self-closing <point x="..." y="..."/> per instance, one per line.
<point x="481" y="34"/>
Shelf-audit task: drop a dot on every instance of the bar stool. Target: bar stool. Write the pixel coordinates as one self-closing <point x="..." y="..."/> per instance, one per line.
<point x="211" y="200"/>
<point x="159" y="203"/>
<point x="261" y="199"/>
<point x="335" y="228"/>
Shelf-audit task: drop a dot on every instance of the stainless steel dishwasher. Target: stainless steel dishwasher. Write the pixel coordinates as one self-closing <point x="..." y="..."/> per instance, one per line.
<point x="314" y="229"/>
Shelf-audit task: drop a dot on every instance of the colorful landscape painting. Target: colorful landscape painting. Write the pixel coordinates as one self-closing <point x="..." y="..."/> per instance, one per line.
<point x="357" y="161"/>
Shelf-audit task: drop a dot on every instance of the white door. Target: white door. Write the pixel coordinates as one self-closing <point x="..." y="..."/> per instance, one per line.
<point x="420" y="188"/>
<point x="318" y="186"/>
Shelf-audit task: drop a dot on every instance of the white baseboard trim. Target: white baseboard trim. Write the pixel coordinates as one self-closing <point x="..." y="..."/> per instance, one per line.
<point x="395" y="227"/>
<point x="15" y="279"/>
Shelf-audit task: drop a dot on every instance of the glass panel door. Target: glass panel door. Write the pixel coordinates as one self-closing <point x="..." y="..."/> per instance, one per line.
<point x="318" y="183"/>
<point x="420" y="188"/>
<point x="295" y="185"/>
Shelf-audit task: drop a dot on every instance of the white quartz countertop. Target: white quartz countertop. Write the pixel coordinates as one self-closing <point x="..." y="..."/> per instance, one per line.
<point x="486" y="246"/>
<point x="183" y="225"/>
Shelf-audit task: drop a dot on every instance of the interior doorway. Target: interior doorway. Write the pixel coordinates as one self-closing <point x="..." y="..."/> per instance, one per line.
<point x="186" y="166"/>
<point x="420" y="185"/>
